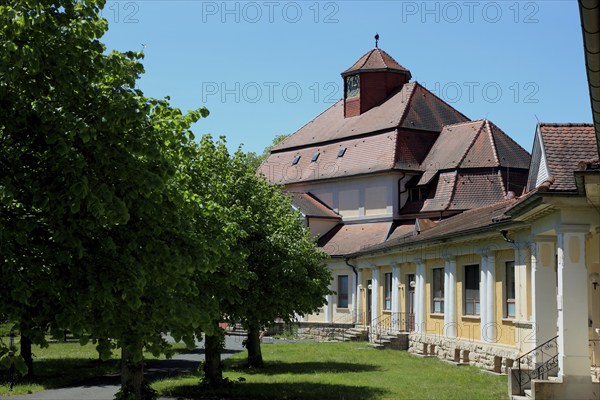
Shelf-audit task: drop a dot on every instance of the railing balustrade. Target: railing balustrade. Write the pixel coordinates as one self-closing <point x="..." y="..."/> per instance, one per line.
<point x="540" y="362"/>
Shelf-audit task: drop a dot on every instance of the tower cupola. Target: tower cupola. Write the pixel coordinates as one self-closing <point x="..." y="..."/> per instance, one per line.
<point x="371" y="80"/>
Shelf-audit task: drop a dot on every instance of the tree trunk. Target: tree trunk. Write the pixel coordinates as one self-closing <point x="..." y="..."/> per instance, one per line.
<point x="255" y="359"/>
<point x="213" y="371"/>
<point x="27" y="355"/>
<point x="132" y="375"/>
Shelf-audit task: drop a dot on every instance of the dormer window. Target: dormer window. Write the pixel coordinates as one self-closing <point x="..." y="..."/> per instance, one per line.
<point x="341" y="152"/>
<point x="418" y="193"/>
<point x="295" y="160"/>
<point x="315" y="157"/>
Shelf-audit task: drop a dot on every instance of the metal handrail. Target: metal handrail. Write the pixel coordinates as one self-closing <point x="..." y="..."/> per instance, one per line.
<point x="387" y="323"/>
<point x="541" y="369"/>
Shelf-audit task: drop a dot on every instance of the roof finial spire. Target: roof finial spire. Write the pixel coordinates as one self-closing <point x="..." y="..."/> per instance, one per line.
<point x="376" y="40"/>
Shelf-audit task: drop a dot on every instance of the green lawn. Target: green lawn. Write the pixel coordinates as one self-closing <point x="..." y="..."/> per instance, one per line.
<point x="343" y="371"/>
<point x="62" y="364"/>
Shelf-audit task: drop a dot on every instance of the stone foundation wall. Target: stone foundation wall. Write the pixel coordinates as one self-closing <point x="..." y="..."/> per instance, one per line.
<point x="483" y="355"/>
<point x="308" y="329"/>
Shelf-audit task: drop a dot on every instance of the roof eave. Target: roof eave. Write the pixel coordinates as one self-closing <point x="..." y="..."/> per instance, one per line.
<point x="492" y="229"/>
<point x="394" y="70"/>
<point x="590" y="25"/>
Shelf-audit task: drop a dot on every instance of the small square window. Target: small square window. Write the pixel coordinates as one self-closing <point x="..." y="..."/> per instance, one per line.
<point x="295" y="160"/>
<point x="315" y="157"/>
<point x="341" y="152"/>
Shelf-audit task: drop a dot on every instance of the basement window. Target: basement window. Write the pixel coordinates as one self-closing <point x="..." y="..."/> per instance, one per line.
<point x="341" y="152"/>
<point x="295" y="160"/>
<point x="315" y="157"/>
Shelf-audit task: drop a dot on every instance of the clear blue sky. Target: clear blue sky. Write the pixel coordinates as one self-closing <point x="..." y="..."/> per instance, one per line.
<point x="266" y="68"/>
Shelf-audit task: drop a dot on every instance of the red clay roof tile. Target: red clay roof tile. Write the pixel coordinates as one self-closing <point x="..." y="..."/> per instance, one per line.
<point x="376" y="60"/>
<point x="465" y="222"/>
<point x="346" y="239"/>
<point x="331" y="125"/>
<point x="565" y="145"/>
<point x="362" y="156"/>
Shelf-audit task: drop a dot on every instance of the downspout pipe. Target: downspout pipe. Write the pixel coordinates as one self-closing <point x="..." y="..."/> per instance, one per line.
<point x="355" y="285"/>
<point x="353" y="268"/>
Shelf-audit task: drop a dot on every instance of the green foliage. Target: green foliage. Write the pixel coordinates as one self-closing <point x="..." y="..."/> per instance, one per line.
<point x="284" y="274"/>
<point x="97" y="235"/>
<point x="114" y="222"/>
<point x="255" y="160"/>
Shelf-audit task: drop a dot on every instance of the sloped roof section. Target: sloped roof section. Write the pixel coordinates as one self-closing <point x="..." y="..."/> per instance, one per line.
<point x="375" y="60"/>
<point x="331" y="125"/>
<point x="510" y="153"/>
<point x="477" y="189"/>
<point x="475" y="219"/>
<point x="565" y="146"/>
<point x="428" y="112"/>
<point x="310" y="206"/>
<point x="449" y="149"/>
<point x="474" y="144"/>
<point x="346" y="239"/>
<point x="362" y="156"/>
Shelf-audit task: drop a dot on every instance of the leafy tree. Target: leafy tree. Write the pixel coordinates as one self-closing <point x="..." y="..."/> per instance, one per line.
<point x="98" y="231"/>
<point x="254" y="160"/>
<point x="288" y="276"/>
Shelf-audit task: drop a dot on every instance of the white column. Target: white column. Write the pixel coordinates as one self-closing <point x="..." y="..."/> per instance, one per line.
<point x="354" y="296"/>
<point x="420" y="301"/>
<point x="572" y="302"/>
<point x="375" y="294"/>
<point x="521" y="282"/>
<point x="450" y="323"/>
<point x="483" y="299"/>
<point x="543" y="289"/>
<point x="490" y="327"/>
<point x="329" y="307"/>
<point x="395" y="296"/>
<point x="359" y="311"/>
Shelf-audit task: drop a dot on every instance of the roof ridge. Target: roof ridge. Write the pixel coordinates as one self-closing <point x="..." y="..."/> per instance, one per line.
<point x="411" y="94"/>
<point x="491" y="136"/>
<point x="368" y="55"/>
<point x="455" y="171"/>
<point x="380" y="56"/>
<point x="442" y="100"/>
<point x="463" y="123"/>
<point x="586" y="124"/>
<point x="470" y="144"/>
<point x="488" y="124"/>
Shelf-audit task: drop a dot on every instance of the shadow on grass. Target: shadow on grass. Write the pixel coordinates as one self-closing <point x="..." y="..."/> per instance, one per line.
<point x="55" y="373"/>
<point x="287" y="391"/>
<point x="279" y="367"/>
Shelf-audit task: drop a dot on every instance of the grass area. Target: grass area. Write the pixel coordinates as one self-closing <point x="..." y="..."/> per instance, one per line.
<point x="63" y="364"/>
<point x="349" y="371"/>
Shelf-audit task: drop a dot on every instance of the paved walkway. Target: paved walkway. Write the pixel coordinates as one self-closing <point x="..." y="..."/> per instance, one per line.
<point x="105" y="388"/>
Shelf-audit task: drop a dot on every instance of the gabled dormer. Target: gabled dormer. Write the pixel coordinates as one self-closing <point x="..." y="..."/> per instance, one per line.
<point x="371" y="80"/>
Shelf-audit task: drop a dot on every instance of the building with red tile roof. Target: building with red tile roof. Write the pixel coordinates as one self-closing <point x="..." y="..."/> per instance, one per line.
<point x="445" y="237"/>
<point x="391" y="151"/>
